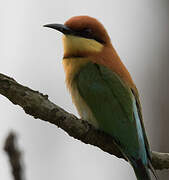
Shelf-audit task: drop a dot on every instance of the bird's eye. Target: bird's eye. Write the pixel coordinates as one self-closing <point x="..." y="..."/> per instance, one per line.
<point x="87" y="31"/>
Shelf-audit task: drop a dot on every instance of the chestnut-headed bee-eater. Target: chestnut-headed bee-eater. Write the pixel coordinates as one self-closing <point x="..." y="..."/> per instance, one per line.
<point x="103" y="90"/>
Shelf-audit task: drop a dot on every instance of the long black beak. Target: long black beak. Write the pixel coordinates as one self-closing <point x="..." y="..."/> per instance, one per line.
<point x="62" y="28"/>
<point x="66" y="30"/>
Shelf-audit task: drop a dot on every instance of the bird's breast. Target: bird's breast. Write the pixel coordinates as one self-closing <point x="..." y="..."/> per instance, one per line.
<point x="72" y="66"/>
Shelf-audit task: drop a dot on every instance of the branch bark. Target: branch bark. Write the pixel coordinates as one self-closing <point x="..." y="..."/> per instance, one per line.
<point x="39" y="106"/>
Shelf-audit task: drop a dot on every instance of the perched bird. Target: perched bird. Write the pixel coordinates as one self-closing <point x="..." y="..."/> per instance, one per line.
<point x="103" y="90"/>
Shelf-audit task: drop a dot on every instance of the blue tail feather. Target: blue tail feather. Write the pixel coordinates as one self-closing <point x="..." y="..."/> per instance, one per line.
<point x="141" y="170"/>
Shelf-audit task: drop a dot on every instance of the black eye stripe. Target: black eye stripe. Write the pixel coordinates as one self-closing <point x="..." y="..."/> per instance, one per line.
<point x="87" y="30"/>
<point x="88" y="33"/>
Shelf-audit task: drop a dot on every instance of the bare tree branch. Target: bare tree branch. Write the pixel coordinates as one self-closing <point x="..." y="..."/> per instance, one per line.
<point x="14" y="155"/>
<point x="39" y="106"/>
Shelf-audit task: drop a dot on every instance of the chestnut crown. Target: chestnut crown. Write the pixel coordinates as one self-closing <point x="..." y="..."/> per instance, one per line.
<point x="88" y="27"/>
<point x="83" y="26"/>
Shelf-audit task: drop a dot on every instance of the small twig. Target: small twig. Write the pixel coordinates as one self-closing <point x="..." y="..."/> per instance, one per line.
<point x="37" y="105"/>
<point x="14" y="155"/>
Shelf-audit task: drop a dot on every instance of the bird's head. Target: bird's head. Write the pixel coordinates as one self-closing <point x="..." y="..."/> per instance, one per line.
<point x="82" y="35"/>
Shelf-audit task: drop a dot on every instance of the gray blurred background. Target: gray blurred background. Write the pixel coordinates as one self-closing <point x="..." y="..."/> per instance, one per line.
<point x="32" y="55"/>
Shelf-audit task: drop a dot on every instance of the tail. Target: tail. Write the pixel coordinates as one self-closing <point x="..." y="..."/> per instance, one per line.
<point x="141" y="170"/>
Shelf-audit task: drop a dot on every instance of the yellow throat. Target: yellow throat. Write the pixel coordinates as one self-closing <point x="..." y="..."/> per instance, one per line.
<point x="75" y="45"/>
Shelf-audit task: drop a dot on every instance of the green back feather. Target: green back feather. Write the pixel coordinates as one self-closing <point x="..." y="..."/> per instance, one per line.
<point x="114" y="106"/>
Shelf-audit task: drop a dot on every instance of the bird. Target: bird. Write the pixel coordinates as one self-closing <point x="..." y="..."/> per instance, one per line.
<point x="103" y="91"/>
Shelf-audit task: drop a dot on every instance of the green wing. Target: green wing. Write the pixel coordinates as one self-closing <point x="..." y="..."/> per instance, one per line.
<point x="114" y="107"/>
